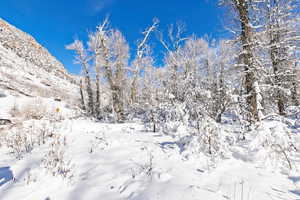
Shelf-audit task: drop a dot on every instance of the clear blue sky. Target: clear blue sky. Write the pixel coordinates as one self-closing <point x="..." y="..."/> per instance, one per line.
<point x="55" y="23"/>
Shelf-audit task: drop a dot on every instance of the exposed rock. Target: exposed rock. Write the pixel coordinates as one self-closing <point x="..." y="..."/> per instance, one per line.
<point x="5" y="122"/>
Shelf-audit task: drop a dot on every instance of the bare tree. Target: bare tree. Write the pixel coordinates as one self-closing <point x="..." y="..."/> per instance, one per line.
<point x="142" y="59"/>
<point x="95" y="42"/>
<point x="83" y="59"/>
<point x="172" y="43"/>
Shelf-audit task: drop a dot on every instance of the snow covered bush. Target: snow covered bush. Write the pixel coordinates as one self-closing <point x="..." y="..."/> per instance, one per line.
<point x="31" y="176"/>
<point x="99" y="142"/>
<point x="34" y="110"/>
<point x="209" y="141"/>
<point x="153" y="119"/>
<point x="144" y="169"/>
<point x="14" y="110"/>
<point x="40" y="109"/>
<point x="55" y="160"/>
<point x="275" y="144"/>
<point x="209" y="137"/>
<point x="293" y="112"/>
<point x="166" y="118"/>
<point x="19" y="142"/>
<point x="24" y="137"/>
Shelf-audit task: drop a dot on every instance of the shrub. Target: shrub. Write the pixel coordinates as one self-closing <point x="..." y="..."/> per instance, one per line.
<point x="14" y="111"/>
<point x="55" y="160"/>
<point x="19" y="142"/>
<point x="35" y="110"/>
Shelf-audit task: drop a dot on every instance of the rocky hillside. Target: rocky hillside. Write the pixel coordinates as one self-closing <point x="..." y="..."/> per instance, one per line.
<point x="29" y="69"/>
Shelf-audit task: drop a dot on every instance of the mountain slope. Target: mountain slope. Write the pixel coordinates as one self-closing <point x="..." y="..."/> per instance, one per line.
<point x="29" y="69"/>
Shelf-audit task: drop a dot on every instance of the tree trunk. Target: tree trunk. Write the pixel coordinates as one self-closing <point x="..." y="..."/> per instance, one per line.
<point x="117" y="103"/>
<point x="82" y="96"/>
<point x="277" y="80"/>
<point x="247" y="58"/>
<point x="134" y="89"/>
<point x="97" y="104"/>
<point x="89" y="90"/>
<point x="295" y="85"/>
<point x="295" y="94"/>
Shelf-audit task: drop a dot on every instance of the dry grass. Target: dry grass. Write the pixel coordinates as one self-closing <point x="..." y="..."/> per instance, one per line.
<point x="35" y="109"/>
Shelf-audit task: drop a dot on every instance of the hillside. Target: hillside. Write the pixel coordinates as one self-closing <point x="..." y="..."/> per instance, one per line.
<point x="28" y="69"/>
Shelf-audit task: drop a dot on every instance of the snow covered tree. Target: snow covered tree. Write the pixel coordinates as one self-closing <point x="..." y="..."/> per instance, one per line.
<point x="114" y="60"/>
<point x="83" y="59"/>
<point x="243" y="11"/>
<point x="95" y="42"/>
<point x="175" y="39"/>
<point x="142" y="60"/>
<point x="109" y="53"/>
<point x="223" y="86"/>
<point x="282" y="42"/>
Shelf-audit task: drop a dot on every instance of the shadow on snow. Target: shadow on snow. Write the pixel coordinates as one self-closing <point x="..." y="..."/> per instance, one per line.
<point x="6" y="175"/>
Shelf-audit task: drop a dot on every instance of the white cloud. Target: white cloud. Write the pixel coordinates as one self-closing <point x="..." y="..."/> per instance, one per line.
<point x="99" y="5"/>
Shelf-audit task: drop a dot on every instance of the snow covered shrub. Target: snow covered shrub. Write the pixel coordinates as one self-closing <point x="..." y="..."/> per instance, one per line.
<point x="30" y="176"/>
<point x="38" y="109"/>
<point x="209" y="141"/>
<point x="152" y="120"/>
<point x="293" y="112"/>
<point x="14" y="111"/>
<point x="39" y="130"/>
<point x="275" y="144"/>
<point x="209" y="138"/>
<point x="19" y="142"/>
<point x="145" y="169"/>
<point x="55" y="160"/>
<point x="99" y="142"/>
<point x="42" y="131"/>
<point x="136" y="112"/>
<point x="166" y="117"/>
<point x="105" y="114"/>
<point x="23" y="138"/>
<point x="34" y="110"/>
<point x="213" y="141"/>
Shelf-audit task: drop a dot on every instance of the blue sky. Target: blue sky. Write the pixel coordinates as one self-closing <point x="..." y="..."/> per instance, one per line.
<point x="55" y="23"/>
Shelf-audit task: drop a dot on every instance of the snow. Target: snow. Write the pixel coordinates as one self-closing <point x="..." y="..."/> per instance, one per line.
<point x="124" y="161"/>
<point x="19" y="76"/>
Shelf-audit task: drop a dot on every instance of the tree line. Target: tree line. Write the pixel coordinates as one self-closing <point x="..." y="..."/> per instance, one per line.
<point x="251" y="74"/>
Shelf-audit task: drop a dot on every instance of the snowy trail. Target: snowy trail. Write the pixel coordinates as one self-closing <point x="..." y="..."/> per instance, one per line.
<point x="114" y="162"/>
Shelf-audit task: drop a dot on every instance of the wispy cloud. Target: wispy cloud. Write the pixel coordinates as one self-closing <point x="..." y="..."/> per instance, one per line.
<point x="96" y="6"/>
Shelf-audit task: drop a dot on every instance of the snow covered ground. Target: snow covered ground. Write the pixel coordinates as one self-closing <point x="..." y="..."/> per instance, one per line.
<point x="84" y="159"/>
<point x="19" y="76"/>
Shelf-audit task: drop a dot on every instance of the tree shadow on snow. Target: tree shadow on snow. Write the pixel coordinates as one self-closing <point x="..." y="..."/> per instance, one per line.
<point x="181" y="143"/>
<point x="296" y="192"/>
<point x="172" y="145"/>
<point x="295" y="180"/>
<point x="6" y="175"/>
